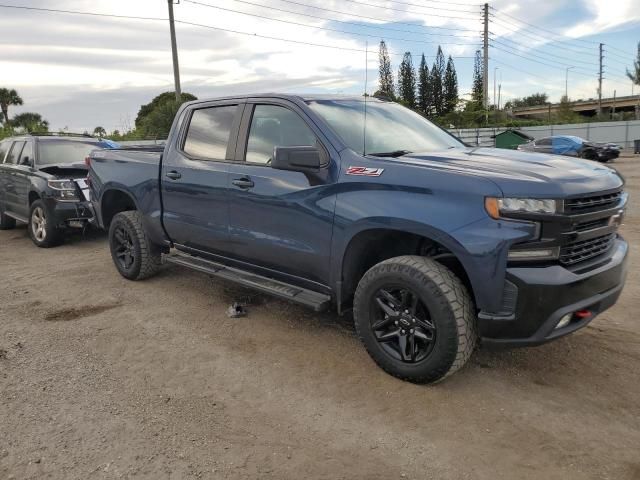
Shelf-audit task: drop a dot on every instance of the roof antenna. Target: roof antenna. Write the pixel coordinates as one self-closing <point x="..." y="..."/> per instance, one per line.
<point x="366" y="72"/>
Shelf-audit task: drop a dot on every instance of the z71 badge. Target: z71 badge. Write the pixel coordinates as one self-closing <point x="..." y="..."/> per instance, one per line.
<point x="367" y="172"/>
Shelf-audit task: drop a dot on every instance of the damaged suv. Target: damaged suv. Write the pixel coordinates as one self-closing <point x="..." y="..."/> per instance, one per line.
<point x="43" y="184"/>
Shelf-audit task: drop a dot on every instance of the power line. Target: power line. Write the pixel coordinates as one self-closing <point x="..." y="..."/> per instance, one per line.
<point x="499" y="40"/>
<point x="542" y="39"/>
<point x="544" y="29"/>
<point x="375" y="27"/>
<point x="211" y="27"/>
<point x="422" y="5"/>
<point x="318" y="27"/>
<point x="541" y="63"/>
<point x="377" y="19"/>
<point x="411" y="11"/>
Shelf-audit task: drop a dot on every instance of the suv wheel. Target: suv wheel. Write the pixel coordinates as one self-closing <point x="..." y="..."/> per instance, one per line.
<point x="415" y="319"/>
<point x="6" y="222"/>
<point x="42" y="227"/>
<point x="133" y="253"/>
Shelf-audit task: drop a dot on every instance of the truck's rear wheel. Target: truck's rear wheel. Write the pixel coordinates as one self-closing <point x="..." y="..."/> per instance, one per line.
<point x="134" y="255"/>
<point x="415" y="318"/>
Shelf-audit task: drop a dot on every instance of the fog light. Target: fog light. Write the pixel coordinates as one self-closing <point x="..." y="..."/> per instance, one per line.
<point x="537" y="254"/>
<point x="564" y="321"/>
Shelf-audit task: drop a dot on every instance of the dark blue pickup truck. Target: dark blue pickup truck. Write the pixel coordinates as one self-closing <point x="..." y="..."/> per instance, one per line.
<point x="334" y="202"/>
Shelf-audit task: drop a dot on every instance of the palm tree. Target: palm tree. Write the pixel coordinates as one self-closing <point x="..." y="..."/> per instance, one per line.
<point x="634" y="75"/>
<point x="30" y="122"/>
<point x="99" y="132"/>
<point x="8" y="97"/>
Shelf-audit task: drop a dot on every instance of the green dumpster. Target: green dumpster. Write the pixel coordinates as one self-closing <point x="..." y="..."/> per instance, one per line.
<point x="511" y="139"/>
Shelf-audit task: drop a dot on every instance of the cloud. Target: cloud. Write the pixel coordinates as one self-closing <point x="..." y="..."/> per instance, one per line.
<point x="79" y="71"/>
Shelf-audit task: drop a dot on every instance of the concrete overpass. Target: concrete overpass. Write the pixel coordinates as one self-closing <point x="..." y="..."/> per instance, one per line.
<point x="588" y="108"/>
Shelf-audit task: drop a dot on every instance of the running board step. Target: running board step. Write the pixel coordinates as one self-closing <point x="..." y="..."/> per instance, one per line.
<point x="309" y="298"/>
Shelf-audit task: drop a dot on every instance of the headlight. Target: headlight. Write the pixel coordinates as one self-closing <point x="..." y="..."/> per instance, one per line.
<point x="64" y="189"/>
<point x="497" y="206"/>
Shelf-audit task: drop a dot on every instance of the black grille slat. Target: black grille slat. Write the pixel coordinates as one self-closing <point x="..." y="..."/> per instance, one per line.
<point x="583" y="227"/>
<point x="586" y="249"/>
<point x="592" y="203"/>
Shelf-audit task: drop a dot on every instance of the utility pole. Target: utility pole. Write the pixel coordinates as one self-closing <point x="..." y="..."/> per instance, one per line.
<point x="174" y="52"/>
<point x="600" y="80"/>
<point x="485" y="63"/>
<point x="566" y="83"/>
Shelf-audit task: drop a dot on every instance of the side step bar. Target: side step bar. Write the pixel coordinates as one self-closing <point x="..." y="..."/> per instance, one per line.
<point x="316" y="301"/>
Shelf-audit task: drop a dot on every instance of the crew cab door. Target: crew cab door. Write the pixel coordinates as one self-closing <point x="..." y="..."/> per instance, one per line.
<point x="280" y="222"/>
<point x="194" y="177"/>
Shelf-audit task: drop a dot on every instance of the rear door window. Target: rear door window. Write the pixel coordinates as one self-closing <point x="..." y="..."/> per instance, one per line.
<point x="14" y="153"/>
<point x="209" y="130"/>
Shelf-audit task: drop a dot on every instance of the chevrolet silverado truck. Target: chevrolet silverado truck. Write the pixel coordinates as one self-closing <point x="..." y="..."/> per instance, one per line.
<point x="43" y="184"/>
<point x="359" y="204"/>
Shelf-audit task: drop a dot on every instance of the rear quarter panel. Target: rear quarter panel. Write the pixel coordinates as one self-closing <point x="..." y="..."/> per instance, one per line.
<point x="136" y="173"/>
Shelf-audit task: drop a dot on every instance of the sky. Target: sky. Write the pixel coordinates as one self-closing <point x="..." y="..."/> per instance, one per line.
<point x="82" y="71"/>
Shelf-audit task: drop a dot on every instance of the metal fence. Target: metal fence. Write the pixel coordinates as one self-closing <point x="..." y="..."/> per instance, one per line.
<point x="621" y="133"/>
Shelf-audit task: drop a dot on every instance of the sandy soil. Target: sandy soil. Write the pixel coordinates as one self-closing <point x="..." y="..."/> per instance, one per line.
<point x="104" y="378"/>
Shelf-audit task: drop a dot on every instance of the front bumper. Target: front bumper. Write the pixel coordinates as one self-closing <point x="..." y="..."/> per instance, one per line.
<point x="546" y="294"/>
<point x="70" y="214"/>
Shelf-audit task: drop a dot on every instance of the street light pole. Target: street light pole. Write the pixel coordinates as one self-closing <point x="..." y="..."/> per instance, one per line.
<point x="174" y="52"/>
<point x="566" y="83"/>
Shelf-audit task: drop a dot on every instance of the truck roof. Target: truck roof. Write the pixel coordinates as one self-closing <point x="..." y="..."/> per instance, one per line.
<point x="292" y="97"/>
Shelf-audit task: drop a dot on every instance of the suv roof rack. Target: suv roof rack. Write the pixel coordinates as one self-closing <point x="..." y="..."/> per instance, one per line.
<point x="60" y="134"/>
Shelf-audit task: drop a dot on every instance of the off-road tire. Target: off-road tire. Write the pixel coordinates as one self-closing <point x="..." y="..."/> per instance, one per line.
<point x="451" y="310"/>
<point x="6" y="222"/>
<point x="53" y="236"/>
<point x="146" y="255"/>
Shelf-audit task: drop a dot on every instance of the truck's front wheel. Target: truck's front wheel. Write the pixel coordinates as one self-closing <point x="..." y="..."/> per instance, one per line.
<point x="134" y="255"/>
<point x="415" y="318"/>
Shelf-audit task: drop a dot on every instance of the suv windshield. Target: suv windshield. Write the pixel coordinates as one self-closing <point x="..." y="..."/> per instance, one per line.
<point x="391" y="129"/>
<point x="56" y="150"/>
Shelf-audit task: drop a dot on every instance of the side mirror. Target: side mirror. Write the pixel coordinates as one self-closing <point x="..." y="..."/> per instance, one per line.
<point x="26" y="161"/>
<point x="297" y="159"/>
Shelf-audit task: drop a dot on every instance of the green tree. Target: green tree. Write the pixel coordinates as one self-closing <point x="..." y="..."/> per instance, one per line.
<point x="385" y="82"/>
<point x="99" y="132"/>
<point x="8" y="97"/>
<point x="30" y="122"/>
<point x="424" y="100"/>
<point x="477" y="89"/>
<point x="450" y="87"/>
<point x="634" y="76"/>
<point x="437" y="83"/>
<point x="530" y="101"/>
<point x="407" y="81"/>
<point x="155" y="118"/>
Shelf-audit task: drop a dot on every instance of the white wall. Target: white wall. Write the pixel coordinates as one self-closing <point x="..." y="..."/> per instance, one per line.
<point x="622" y="133"/>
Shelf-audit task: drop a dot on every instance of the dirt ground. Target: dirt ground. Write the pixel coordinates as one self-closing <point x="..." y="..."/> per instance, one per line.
<point x="105" y="378"/>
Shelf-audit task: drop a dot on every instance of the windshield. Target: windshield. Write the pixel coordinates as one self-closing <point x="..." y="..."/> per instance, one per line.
<point x="391" y="128"/>
<point x="52" y="151"/>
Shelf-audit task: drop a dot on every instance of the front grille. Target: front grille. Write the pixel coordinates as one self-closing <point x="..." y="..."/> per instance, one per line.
<point x="592" y="203"/>
<point x="584" y="226"/>
<point x="584" y="250"/>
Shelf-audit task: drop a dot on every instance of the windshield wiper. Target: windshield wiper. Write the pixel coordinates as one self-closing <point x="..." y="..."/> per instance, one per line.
<point x="394" y="154"/>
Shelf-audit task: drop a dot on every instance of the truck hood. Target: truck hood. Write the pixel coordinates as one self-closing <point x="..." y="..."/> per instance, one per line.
<point x="520" y="174"/>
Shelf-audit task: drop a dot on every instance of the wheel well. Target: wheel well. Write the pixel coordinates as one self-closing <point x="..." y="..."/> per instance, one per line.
<point x="371" y="247"/>
<point x="114" y="202"/>
<point x="33" y="196"/>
